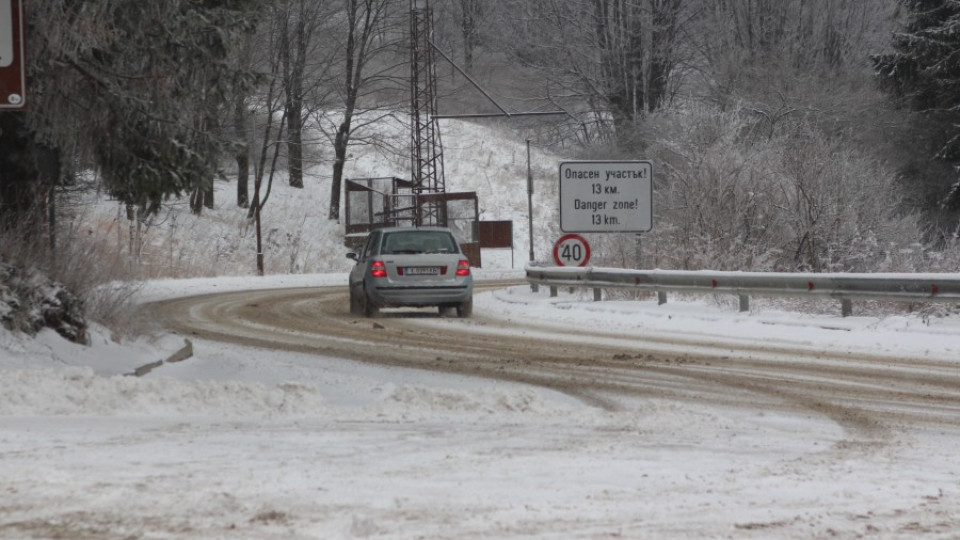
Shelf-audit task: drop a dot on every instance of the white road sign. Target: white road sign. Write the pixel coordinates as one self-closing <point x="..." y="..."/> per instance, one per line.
<point x="6" y="33"/>
<point x="606" y="196"/>
<point x="12" y="70"/>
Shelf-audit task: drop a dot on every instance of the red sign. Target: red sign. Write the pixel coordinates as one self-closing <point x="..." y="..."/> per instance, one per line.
<point x="13" y="73"/>
<point x="571" y="250"/>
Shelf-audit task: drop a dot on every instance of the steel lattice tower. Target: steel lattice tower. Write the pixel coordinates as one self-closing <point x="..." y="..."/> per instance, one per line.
<point x="426" y="149"/>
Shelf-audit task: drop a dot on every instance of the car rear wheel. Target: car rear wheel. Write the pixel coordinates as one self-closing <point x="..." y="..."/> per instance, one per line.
<point x="465" y="309"/>
<point x="368" y="308"/>
<point x="355" y="304"/>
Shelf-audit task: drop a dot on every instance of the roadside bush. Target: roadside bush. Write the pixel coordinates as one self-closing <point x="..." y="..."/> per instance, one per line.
<point x="786" y="200"/>
<point x="62" y="289"/>
<point x="30" y="301"/>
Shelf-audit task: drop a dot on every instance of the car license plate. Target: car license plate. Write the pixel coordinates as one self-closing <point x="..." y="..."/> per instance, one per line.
<point x="422" y="271"/>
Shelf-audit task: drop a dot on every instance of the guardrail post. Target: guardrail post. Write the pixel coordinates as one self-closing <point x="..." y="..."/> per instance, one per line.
<point x="553" y="291"/>
<point x="597" y="295"/>
<point x="661" y="298"/>
<point x="744" y="303"/>
<point x="846" y="308"/>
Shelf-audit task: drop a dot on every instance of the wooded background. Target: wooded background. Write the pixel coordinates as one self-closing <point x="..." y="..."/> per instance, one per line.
<point x="815" y="135"/>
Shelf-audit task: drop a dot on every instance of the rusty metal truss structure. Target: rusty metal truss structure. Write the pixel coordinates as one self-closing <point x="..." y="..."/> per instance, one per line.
<point x="426" y="148"/>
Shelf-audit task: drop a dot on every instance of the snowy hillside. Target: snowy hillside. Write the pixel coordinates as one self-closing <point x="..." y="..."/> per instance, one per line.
<point x="299" y="238"/>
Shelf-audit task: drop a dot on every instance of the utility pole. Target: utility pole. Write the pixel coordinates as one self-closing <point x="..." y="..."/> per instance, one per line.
<point x="530" y="200"/>
<point x="533" y="286"/>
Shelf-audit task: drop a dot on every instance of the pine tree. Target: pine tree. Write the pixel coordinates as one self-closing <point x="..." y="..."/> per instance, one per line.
<point x="923" y="72"/>
<point x="132" y="88"/>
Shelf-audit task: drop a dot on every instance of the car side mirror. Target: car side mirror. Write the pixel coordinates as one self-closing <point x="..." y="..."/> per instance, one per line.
<point x="352" y="256"/>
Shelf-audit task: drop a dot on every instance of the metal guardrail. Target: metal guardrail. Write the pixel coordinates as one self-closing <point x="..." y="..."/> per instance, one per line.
<point x="843" y="287"/>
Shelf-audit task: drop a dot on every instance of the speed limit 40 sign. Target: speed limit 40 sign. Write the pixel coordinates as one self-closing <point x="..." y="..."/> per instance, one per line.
<point x="571" y="250"/>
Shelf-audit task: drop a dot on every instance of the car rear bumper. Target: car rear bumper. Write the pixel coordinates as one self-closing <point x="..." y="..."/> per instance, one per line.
<point x="421" y="296"/>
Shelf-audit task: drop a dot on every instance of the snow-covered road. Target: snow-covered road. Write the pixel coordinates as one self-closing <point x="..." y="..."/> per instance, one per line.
<point x="242" y="441"/>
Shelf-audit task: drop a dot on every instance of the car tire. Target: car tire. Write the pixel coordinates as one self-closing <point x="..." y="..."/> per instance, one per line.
<point x="355" y="307"/>
<point x="465" y="309"/>
<point x="368" y="308"/>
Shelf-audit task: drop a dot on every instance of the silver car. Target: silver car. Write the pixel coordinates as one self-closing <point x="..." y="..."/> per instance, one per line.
<point x="411" y="266"/>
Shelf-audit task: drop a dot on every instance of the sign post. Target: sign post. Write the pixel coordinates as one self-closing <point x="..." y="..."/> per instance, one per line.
<point x="606" y="196"/>
<point x="12" y="70"/>
<point x="530" y="200"/>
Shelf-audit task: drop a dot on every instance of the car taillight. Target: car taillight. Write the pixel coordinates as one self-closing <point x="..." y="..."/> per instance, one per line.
<point x="378" y="269"/>
<point x="463" y="268"/>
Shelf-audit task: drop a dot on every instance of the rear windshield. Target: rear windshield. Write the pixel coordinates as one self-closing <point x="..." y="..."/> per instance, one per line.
<point x="418" y="242"/>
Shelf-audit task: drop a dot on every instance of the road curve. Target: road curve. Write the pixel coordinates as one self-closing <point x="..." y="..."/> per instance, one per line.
<point x="870" y="397"/>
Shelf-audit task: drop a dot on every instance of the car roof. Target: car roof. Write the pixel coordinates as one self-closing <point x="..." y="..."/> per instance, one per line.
<point x="410" y="229"/>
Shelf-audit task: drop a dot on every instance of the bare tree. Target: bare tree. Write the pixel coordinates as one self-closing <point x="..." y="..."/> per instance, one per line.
<point x="269" y="56"/>
<point x="665" y="18"/>
<point x="818" y="34"/>
<point x="243" y="131"/>
<point x="299" y="21"/>
<point x="471" y="17"/>
<point x="367" y="36"/>
<point x="615" y="56"/>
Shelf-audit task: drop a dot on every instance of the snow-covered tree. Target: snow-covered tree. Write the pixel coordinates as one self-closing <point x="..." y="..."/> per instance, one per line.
<point x="615" y="56"/>
<point x="130" y="88"/>
<point x="923" y="72"/>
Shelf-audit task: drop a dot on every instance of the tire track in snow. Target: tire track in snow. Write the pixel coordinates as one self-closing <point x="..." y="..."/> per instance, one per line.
<point x="866" y="395"/>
